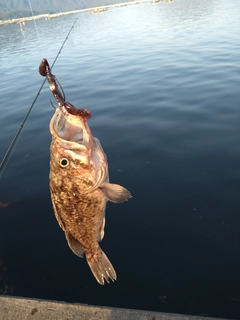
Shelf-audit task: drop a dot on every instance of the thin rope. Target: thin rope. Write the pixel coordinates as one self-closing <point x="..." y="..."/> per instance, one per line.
<point x="10" y="148"/>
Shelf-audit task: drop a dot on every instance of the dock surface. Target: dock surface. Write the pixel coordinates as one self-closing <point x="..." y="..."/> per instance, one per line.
<point x="34" y="309"/>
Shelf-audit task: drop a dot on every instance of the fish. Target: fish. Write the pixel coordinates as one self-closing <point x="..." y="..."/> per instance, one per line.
<point x="79" y="182"/>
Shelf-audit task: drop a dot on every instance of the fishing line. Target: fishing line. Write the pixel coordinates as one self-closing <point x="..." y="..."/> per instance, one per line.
<point x="34" y="20"/>
<point x="6" y="157"/>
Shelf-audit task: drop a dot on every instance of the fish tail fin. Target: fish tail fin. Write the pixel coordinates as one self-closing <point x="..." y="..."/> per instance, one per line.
<point x="101" y="267"/>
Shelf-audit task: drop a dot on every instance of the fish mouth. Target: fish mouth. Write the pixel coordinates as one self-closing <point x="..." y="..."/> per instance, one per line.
<point x="69" y="124"/>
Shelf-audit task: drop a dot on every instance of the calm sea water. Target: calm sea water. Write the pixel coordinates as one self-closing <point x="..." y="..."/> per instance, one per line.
<point x="162" y="83"/>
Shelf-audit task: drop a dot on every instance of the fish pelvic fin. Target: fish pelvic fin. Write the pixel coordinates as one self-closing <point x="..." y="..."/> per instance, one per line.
<point x="101" y="267"/>
<point x="115" y="192"/>
<point x="74" y="245"/>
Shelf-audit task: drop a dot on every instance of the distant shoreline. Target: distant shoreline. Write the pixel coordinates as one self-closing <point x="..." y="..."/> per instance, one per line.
<point x="48" y="16"/>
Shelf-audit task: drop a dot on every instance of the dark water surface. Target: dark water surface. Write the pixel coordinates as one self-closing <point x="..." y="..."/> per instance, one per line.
<point x="162" y="82"/>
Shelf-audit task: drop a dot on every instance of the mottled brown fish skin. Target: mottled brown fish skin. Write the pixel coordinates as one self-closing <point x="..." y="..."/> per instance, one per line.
<point x="80" y="189"/>
<point x="77" y="213"/>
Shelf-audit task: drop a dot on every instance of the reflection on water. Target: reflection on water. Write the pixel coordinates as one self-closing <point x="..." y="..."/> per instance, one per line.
<point x="162" y="83"/>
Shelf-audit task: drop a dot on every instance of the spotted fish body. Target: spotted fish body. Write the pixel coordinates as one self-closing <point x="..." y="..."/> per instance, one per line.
<point x="80" y="188"/>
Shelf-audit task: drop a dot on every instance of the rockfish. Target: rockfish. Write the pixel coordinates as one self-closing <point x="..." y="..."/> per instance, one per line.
<point x="79" y="182"/>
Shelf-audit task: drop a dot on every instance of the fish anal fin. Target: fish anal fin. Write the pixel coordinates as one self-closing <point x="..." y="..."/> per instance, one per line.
<point x="74" y="245"/>
<point x="101" y="230"/>
<point x="100" y="266"/>
<point x="115" y="192"/>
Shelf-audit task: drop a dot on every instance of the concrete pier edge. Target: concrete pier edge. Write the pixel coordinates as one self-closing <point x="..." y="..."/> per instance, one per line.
<point x="17" y="308"/>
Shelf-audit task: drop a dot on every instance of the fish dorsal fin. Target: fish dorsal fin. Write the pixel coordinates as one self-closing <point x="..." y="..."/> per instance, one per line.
<point x="74" y="245"/>
<point x="115" y="192"/>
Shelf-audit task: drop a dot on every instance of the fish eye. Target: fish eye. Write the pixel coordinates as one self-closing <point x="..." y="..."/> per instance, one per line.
<point x="64" y="162"/>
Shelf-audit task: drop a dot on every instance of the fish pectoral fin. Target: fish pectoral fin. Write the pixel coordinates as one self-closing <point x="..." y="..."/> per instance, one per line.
<point x="115" y="192"/>
<point x="74" y="245"/>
